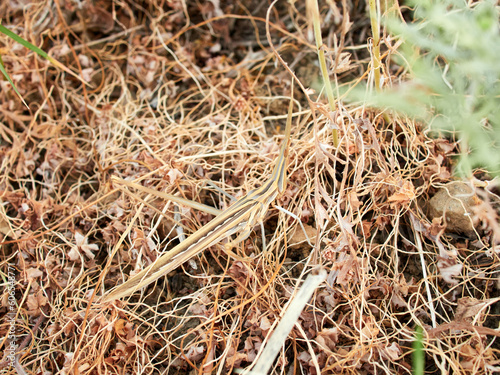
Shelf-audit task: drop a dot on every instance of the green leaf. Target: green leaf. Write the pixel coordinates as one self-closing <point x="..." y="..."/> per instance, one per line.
<point x="39" y="51"/>
<point x="25" y="43"/>
<point x="451" y="53"/>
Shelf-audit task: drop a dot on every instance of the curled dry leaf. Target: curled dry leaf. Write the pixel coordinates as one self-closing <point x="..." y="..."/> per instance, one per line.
<point x="33" y="273"/>
<point x="449" y="268"/>
<point x="35" y="302"/>
<point x="265" y="323"/>
<point x="82" y="246"/>
<point x="400" y="291"/>
<point x="370" y="328"/>
<point x="120" y="353"/>
<point x="124" y="329"/>
<point x="354" y="201"/>
<point x="195" y="353"/>
<point x="486" y="213"/>
<point x="252" y="346"/>
<point x="469" y="309"/>
<point x="328" y="338"/>
<point x="174" y="175"/>
<point x="200" y="307"/>
<point x="74" y="255"/>
<point x="391" y="352"/>
<point x="405" y="193"/>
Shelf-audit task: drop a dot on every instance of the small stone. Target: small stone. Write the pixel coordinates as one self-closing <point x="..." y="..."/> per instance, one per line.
<point x="454" y="204"/>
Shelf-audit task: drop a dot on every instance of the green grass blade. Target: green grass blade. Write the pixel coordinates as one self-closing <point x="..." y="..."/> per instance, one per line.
<point x="25" y="43"/>
<point x="6" y="75"/>
<point x="40" y="52"/>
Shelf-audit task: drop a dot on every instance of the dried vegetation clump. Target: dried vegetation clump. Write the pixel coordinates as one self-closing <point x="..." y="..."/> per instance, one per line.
<point x="186" y="98"/>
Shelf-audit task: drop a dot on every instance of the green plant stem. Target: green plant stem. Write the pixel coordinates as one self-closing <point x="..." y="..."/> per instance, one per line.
<point x="418" y="352"/>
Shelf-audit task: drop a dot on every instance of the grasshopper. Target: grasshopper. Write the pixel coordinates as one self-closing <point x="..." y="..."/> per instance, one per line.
<point x="240" y="218"/>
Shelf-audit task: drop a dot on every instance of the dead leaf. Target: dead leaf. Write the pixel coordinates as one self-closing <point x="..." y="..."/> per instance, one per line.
<point x="120" y="327"/>
<point x="370" y="328"/>
<point x="82" y="243"/>
<point x="174" y="175"/>
<point x="35" y="302"/>
<point x="299" y="236"/>
<point x="468" y="308"/>
<point x="5" y="227"/>
<point x="195" y="353"/>
<point x="321" y="214"/>
<point x="392" y="352"/>
<point x="265" y="324"/>
<point x="74" y="254"/>
<point x="404" y="194"/>
<point x="328" y="338"/>
<point x="33" y="273"/>
<point x="449" y="268"/>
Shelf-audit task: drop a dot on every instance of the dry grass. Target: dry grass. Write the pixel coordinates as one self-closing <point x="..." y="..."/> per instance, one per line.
<point x="183" y="97"/>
